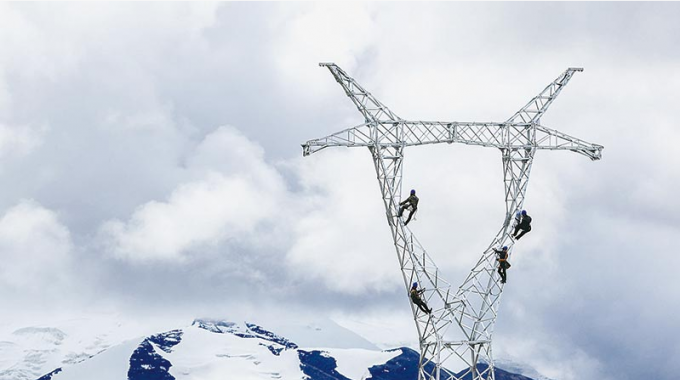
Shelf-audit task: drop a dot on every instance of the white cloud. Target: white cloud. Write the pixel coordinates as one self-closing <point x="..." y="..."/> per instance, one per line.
<point x="234" y="192"/>
<point x="342" y="238"/>
<point x="19" y="140"/>
<point x="321" y="32"/>
<point x="36" y="249"/>
<point x="555" y="358"/>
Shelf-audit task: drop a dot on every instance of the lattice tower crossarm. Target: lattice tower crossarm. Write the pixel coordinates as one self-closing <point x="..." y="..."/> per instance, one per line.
<point x="462" y="321"/>
<point x="497" y="135"/>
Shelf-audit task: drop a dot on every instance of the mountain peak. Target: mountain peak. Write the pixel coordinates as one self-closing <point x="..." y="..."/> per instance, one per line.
<point x="213" y="348"/>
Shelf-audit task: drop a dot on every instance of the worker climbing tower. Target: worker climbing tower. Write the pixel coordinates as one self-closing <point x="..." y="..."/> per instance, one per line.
<point x="460" y="328"/>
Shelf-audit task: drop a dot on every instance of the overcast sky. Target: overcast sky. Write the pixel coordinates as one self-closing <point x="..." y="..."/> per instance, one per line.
<point x="150" y="161"/>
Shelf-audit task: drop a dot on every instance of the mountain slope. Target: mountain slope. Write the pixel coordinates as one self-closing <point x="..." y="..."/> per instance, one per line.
<point x="29" y="351"/>
<point x="213" y="349"/>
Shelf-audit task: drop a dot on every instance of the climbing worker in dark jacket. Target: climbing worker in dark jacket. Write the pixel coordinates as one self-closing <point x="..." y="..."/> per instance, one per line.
<point x="524" y="224"/>
<point x="503" y="263"/>
<point x="415" y="297"/>
<point x="410" y="203"/>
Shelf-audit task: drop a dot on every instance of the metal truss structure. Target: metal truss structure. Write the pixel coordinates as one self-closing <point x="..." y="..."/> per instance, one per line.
<point x="460" y="327"/>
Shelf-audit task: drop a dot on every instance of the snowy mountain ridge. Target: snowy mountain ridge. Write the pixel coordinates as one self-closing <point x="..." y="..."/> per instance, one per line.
<point x="212" y="349"/>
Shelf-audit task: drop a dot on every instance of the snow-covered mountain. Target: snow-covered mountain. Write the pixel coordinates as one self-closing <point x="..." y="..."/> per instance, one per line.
<point x="29" y="348"/>
<point x="211" y="349"/>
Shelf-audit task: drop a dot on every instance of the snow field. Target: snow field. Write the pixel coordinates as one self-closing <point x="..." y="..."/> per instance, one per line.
<point x="354" y="363"/>
<point x="112" y="364"/>
<point x="204" y="355"/>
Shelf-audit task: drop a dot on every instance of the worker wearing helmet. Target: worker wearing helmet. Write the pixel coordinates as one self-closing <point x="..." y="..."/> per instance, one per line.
<point x="523" y="224"/>
<point x="417" y="300"/>
<point x="411" y="203"/>
<point x="503" y="263"/>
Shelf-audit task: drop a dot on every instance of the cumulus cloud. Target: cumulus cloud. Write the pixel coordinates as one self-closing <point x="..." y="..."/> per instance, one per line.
<point x="331" y="41"/>
<point x="341" y="239"/>
<point x="237" y="199"/>
<point x="36" y="249"/>
<point x="234" y="191"/>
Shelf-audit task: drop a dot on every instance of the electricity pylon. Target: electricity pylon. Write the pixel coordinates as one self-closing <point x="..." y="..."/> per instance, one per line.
<point x="461" y="324"/>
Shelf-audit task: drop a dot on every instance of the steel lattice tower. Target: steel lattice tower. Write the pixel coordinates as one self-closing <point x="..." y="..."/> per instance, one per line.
<point x="461" y="325"/>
